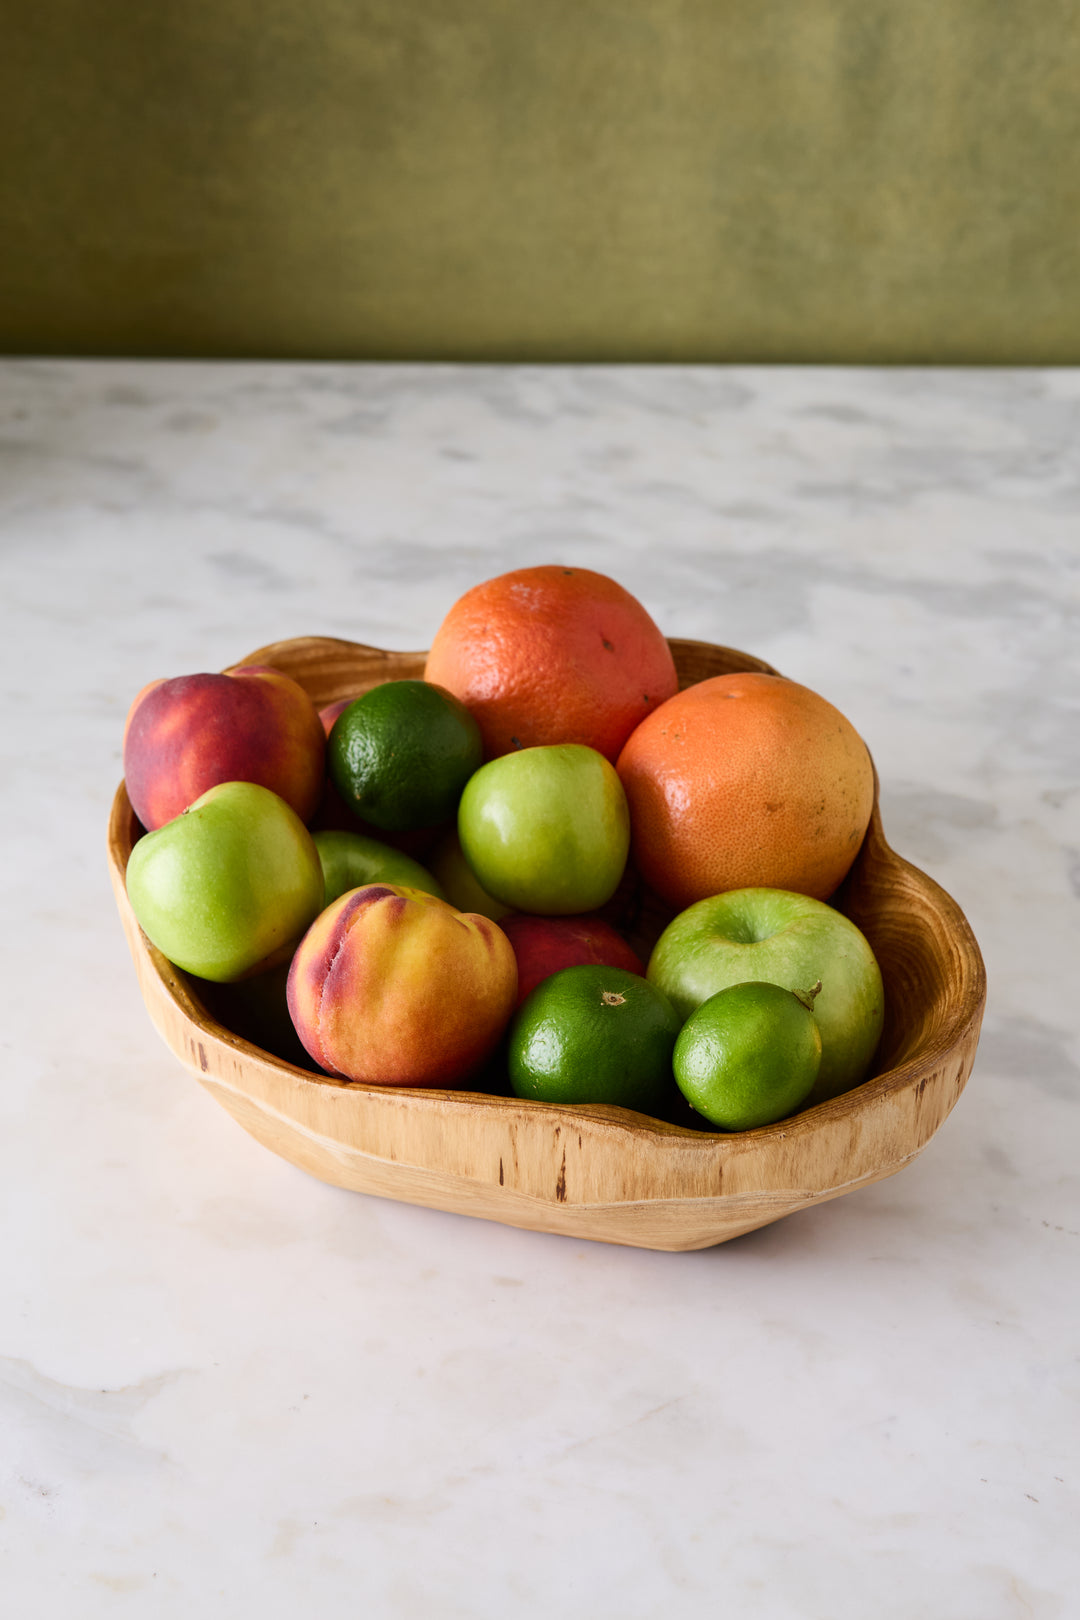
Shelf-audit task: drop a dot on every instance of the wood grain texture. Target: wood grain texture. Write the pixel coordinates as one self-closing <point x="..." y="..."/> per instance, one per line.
<point x="592" y="1172"/>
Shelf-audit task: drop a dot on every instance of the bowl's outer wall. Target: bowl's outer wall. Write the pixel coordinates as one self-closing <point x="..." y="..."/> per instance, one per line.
<point x="589" y="1172"/>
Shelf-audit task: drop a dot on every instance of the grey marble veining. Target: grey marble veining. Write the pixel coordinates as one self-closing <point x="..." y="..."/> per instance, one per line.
<point x="227" y="1388"/>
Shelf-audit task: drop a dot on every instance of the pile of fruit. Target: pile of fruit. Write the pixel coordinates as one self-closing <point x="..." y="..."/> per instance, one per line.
<point x="421" y="882"/>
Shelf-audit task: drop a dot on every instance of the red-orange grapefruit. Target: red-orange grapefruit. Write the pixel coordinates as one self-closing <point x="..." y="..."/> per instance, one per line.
<point x="552" y="655"/>
<point x="746" y="781"/>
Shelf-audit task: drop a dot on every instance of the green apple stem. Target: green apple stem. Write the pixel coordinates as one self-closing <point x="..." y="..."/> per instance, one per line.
<point x="808" y="997"/>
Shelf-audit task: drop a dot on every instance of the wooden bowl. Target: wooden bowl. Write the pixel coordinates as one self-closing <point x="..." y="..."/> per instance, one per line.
<point x="597" y="1172"/>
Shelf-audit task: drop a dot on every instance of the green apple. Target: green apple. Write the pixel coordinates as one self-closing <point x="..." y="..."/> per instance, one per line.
<point x="775" y="936"/>
<point x="351" y="861"/>
<point x="458" y="879"/>
<point x="546" y="830"/>
<point x="227" y="887"/>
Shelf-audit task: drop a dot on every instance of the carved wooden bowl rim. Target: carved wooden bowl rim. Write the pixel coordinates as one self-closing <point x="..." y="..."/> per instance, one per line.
<point x="322" y="664"/>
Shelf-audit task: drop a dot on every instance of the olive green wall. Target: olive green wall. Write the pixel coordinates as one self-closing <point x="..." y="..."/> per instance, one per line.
<point x="556" y="179"/>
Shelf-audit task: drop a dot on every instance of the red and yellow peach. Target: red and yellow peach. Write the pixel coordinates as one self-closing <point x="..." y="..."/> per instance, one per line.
<point x="253" y="724"/>
<point x="394" y="987"/>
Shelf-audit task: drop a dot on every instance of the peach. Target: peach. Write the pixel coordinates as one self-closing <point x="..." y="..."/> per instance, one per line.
<point x="394" y="987"/>
<point x="253" y="724"/>
<point x="329" y="714"/>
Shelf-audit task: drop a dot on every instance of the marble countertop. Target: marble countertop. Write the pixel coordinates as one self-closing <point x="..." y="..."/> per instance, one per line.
<point x="227" y="1389"/>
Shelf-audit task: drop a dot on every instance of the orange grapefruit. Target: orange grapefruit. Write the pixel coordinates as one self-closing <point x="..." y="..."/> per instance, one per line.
<point x="746" y="781"/>
<point x="552" y="655"/>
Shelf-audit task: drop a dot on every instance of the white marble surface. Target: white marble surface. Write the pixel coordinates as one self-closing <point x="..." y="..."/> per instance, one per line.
<point x="226" y="1389"/>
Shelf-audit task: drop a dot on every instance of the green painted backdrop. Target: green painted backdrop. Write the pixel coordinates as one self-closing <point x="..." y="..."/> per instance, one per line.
<point x="555" y="179"/>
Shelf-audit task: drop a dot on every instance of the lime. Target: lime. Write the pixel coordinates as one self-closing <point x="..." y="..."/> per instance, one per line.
<point x="595" y="1035"/>
<point x="401" y="754"/>
<point x="257" y="1010"/>
<point x="749" y="1055"/>
<point x="351" y="861"/>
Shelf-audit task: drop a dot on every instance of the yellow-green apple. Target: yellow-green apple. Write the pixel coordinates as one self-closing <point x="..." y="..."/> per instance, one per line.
<point x="394" y="987"/>
<point x="228" y="886"/>
<point x="546" y="945"/>
<point x="546" y="830"/>
<point x="779" y="937"/>
<point x="351" y="861"/>
<point x="459" y="881"/>
<point x="251" y="724"/>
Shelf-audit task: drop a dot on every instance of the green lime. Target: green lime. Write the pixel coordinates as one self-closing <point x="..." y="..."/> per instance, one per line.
<point x="749" y="1055"/>
<point x="595" y="1035"/>
<point x="401" y="754"/>
<point x="257" y="1009"/>
<point x="350" y="861"/>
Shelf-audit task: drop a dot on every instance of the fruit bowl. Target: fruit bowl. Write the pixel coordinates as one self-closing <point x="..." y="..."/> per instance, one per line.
<point x="585" y="1171"/>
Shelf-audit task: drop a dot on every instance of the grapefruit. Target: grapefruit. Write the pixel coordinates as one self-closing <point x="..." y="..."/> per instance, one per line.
<point x="746" y="781"/>
<point x="552" y="655"/>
